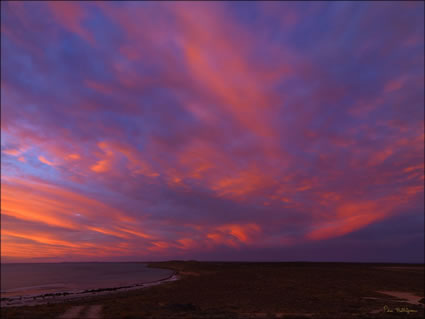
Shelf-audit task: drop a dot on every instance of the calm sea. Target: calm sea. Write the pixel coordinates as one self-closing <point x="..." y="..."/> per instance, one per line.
<point x="37" y="279"/>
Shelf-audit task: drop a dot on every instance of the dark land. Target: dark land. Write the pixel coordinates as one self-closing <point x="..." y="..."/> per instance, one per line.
<point x="259" y="290"/>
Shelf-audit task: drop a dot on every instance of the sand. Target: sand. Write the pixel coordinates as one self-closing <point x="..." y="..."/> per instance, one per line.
<point x="405" y="296"/>
<point x="77" y="312"/>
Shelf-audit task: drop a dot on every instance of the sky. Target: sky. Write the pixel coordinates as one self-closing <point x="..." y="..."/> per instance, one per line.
<point x="272" y="131"/>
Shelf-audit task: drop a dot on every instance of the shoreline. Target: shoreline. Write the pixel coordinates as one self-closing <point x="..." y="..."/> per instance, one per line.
<point x="63" y="296"/>
<point x="252" y="290"/>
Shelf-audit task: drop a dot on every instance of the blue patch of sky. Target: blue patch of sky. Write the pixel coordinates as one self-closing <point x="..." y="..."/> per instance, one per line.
<point x="20" y="68"/>
<point x="73" y="61"/>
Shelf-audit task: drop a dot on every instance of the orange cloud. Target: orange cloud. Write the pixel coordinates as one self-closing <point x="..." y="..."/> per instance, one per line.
<point x="74" y="156"/>
<point x="221" y="66"/>
<point x="234" y="234"/>
<point x="41" y="238"/>
<point x="12" y="152"/>
<point x="136" y="233"/>
<point x="244" y="183"/>
<point x="112" y="150"/>
<point x="108" y="232"/>
<point x="187" y="243"/>
<point x="159" y="246"/>
<point x="349" y="217"/>
<point x="45" y="161"/>
<point x="51" y="204"/>
<point x="101" y="166"/>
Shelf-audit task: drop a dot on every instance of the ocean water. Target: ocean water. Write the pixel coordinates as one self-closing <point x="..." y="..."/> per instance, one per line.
<point x="43" y="278"/>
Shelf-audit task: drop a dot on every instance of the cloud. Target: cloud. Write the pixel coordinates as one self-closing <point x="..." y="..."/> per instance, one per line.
<point x="45" y="161"/>
<point x="155" y="129"/>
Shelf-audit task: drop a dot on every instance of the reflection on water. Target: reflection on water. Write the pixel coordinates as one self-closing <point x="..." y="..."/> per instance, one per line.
<point x="35" y="279"/>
